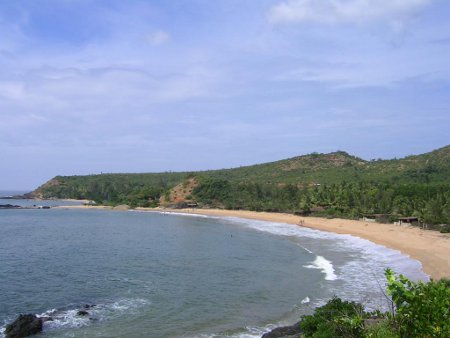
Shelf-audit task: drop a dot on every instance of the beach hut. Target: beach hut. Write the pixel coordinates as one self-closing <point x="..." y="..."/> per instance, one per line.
<point x="408" y="220"/>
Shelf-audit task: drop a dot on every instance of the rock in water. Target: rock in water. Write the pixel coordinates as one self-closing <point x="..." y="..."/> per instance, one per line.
<point x="285" y="331"/>
<point x="24" y="326"/>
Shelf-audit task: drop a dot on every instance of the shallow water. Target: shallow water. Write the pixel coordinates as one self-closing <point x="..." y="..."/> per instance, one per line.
<point x="159" y="275"/>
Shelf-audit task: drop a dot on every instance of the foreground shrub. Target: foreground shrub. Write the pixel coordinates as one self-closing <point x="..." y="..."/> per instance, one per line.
<point x="337" y="318"/>
<point x="383" y="329"/>
<point x="421" y="309"/>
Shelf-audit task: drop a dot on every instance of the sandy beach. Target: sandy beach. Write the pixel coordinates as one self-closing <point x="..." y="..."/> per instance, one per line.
<point x="431" y="248"/>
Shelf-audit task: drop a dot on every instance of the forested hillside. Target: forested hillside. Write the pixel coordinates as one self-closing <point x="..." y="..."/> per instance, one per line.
<point x="334" y="184"/>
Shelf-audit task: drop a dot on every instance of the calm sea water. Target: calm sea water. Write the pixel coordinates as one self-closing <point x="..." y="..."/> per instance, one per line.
<point x="157" y="275"/>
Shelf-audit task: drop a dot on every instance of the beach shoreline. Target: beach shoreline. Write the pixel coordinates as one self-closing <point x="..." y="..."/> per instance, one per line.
<point x="430" y="248"/>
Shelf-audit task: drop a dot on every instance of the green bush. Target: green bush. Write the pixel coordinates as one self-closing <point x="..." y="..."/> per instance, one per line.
<point x="422" y="309"/>
<point x="445" y="229"/>
<point x="383" y="329"/>
<point x="337" y="318"/>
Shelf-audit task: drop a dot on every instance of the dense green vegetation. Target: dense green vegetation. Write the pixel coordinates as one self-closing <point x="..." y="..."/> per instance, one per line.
<point x="335" y="319"/>
<point x="418" y="310"/>
<point x="331" y="185"/>
<point x="429" y="202"/>
<point x="133" y="189"/>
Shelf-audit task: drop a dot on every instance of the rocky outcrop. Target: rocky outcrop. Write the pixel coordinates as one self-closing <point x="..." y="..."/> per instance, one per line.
<point x="83" y="311"/>
<point x="293" y="331"/>
<point x="39" y="193"/>
<point x="24" y="326"/>
<point x="180" y="196"/>
<point x="9" y="206"/>
<point x="12" y="206"/>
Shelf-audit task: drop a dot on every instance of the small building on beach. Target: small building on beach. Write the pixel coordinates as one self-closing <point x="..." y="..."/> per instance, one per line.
<point x="408" y="220"/>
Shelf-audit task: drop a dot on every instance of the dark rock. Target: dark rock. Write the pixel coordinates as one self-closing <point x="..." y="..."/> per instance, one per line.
<point x="9" y="206"/>
<point x="82" y="313"/>
<point x="284" y="331"/>
<point x="24" y="326"/>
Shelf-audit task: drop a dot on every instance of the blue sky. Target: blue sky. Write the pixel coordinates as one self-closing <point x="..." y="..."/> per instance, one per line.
<point x="145" y="86"/>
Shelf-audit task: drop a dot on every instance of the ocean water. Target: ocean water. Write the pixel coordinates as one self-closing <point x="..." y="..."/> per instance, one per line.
<point x="160" y="275"/>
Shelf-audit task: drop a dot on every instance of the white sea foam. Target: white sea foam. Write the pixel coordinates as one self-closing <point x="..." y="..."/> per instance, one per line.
<point x="250" y="332"/>
<point x="186" y="214"/>
<point x="65" y="319"/>
<point x="174" y="213"/>
<point x="360" y="272"/>
<point x="325" y="266"/>
<point x="375" y="253"/>
<point x="359" y="263"/>
<point x="307" y="250"/>
<point x="100" y="312"/>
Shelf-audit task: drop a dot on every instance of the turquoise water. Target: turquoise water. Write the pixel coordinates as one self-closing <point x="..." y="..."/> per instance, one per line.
<point x="157" y="275"/>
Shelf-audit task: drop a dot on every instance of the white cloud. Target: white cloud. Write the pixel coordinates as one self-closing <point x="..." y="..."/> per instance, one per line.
<point x="341" y="11"/>
<point x="157" y="38"/>
<point x="80" y="101"/>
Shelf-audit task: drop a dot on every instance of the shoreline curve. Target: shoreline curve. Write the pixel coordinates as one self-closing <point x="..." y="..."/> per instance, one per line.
<point x="430" y="248"/>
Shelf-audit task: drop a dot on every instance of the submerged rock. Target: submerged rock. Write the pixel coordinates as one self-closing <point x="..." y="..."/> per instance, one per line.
<point x="293" y="331"/>
<point x="83" y="311"/>
<point x="24" y="326"/>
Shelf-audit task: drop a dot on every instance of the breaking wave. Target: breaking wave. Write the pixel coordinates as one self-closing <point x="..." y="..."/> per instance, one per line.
<point x="325" y="266"/>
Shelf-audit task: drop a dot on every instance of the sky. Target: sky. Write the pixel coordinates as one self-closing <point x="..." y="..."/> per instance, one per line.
<point x="91" y="86"/>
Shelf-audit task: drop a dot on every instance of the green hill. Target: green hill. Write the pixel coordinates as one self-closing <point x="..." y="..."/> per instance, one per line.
<point x="339" y="166"/>
<point x="335" y="184"/>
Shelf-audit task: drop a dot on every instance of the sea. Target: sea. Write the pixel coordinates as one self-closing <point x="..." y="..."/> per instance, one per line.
<point x="148" y="274"/>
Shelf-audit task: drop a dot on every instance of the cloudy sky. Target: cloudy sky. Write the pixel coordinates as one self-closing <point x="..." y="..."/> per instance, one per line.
<point x="90" y="86"/>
